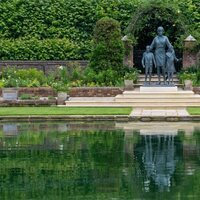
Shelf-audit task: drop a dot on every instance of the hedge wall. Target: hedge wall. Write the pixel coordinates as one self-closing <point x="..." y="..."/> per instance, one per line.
<point x="34" y="49"/>
<point x="71" y="19"/>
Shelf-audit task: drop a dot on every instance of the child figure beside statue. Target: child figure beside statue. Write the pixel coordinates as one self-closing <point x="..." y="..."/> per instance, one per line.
<point x="170" y="68"/>
<point x="148" y="61"/>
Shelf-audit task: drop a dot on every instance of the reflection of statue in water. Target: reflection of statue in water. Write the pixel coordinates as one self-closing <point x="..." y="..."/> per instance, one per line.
<point x="160" y="43"/>
<point x="159" y="160"/>
<point x="170" y="68"/>
<point x="148" y="61"/>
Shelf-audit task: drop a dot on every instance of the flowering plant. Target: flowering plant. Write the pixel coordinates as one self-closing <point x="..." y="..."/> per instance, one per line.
<point x="59" y="86"/>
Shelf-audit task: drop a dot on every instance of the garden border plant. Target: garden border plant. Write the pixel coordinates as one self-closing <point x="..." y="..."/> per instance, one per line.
<point x="191" y="73"/>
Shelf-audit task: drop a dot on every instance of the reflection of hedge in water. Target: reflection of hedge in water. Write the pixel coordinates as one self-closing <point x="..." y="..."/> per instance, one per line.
<point x="70" y="171"/>
<point x="93" y="164"/>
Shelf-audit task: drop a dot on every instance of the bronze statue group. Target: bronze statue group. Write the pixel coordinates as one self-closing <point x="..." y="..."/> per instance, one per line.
<point x="162" y="60"/>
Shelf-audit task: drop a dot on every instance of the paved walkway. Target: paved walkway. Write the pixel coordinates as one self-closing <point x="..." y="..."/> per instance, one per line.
<point x="159" y="112"/>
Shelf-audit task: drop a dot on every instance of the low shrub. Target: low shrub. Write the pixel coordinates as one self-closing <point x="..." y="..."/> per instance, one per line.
<point x="191" y="73"/>
<point x="25" y="96"/>
<point x="106" y="77"/>
<point x="12" y="77"/>
<point x="131" y="74"/>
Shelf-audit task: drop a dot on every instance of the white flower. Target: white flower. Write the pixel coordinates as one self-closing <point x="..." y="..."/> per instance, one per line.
<point x="61" y="67"/>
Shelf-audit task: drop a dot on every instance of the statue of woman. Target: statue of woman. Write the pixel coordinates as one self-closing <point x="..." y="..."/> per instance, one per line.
<point x="160" y="42"/>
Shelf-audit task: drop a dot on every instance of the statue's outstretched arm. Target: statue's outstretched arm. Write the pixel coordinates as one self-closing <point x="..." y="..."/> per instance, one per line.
<point x="169" y="45"/>
<point x="176" y="59"/>
<point x="152" y="46"/>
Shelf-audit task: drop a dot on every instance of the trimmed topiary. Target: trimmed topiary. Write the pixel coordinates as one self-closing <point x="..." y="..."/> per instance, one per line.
<point x="108" y="49"/>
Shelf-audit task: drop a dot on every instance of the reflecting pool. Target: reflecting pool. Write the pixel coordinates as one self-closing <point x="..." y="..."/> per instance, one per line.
<point x="104" y="160"/>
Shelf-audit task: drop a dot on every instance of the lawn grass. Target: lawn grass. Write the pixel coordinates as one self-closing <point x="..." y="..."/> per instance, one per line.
<point x="27" y="111"/>
<point x="194" y="111"/>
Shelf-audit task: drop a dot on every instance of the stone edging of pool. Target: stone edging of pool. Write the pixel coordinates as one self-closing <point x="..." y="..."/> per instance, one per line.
<point x="121" y="118"/>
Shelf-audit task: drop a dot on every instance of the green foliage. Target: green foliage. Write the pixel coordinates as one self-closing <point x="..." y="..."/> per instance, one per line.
<point x="12" y="77"/>
<point x="25" y="96"/>
<point x="34" y="49"/>
<point x="59" y="80"/>
<point x="108" y="47"/>
<point x="187" y="76"/>
<point x="107" y="57"/>
<point x="192" y="73"/>
<point x="50" y="22"/>
<point x="73" y="19"/>
<point x="51" y="97"/>
<point x="152" y="14"/>
<point x="1" y="84"/>
<point x="107" y="77"/>
<point x="132" y="74"/>
<point x="59" y="86"/>
<point x="65" y="77"/>
<point x="191" y="10"/>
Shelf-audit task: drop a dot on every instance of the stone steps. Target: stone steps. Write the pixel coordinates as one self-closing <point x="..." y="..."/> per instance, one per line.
<point x="134" y="104"/>
<point x="178" y="93"/>
<point x="138" y="84"/>
<point x="164" y="100"/>
<point x="154" y="79"/>
<point x="143" y="99"/>
<point x="155" y="76"/>
<point x="127" y="97"/>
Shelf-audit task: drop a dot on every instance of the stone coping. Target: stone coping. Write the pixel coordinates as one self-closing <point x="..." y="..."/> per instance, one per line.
<point x="86" y="118"/>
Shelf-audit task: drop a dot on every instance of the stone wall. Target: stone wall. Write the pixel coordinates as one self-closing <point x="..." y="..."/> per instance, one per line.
<point x="45" y="66"/>
<point x="9" y="103"/>
<point x="74" y="92"/>
<point x="95" y="91"/>
<point x="40" y="91"/>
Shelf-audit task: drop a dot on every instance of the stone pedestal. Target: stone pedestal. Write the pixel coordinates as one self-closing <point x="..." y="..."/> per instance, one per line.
<point x="158" y="89"/>
<point x="128" y="84"/>
<point x="188" y="85"/>
<point x="128" y="55"/>
<point x="61" y="98"/>
<point x="190" y="57"/>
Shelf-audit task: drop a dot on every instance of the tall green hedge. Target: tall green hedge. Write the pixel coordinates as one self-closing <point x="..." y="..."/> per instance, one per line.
<point x="34" y="49"/>
<point x="75" y="20"/>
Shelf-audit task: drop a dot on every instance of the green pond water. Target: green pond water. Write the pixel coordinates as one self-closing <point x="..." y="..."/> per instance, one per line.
<point x="100" y="161"/>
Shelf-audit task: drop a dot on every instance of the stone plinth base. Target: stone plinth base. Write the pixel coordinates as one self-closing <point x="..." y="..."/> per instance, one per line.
<point x="159" y="89"/>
